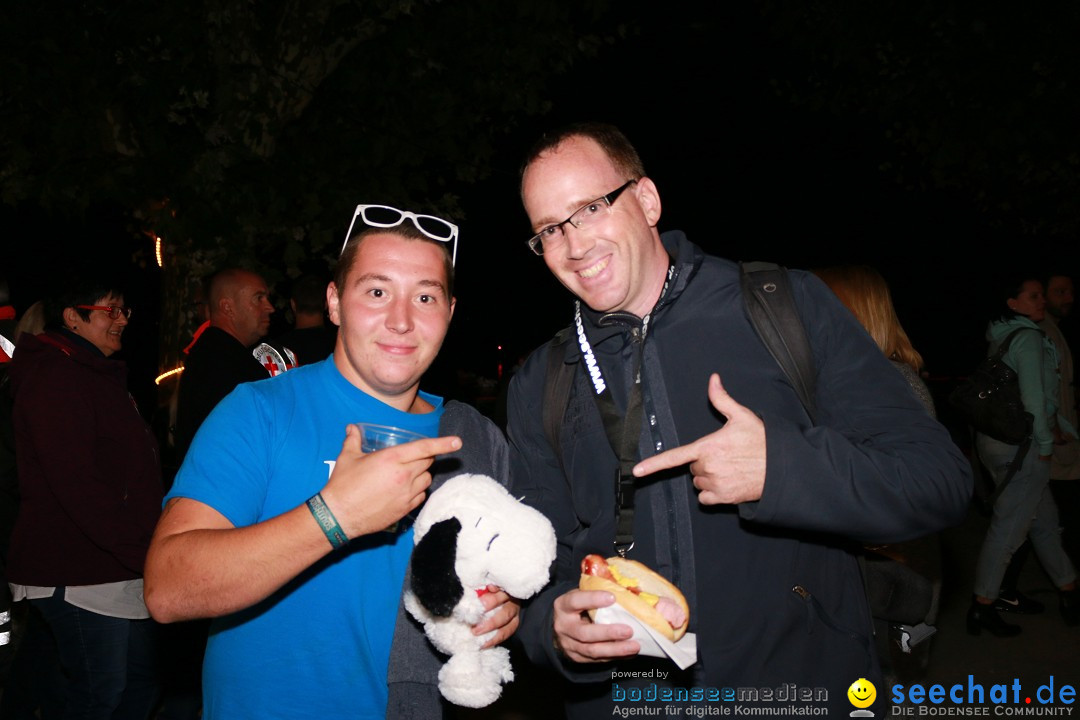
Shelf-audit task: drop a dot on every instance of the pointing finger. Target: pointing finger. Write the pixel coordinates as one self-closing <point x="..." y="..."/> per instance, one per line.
<point x="427" y="448"/>
<point x="682" y="455"/>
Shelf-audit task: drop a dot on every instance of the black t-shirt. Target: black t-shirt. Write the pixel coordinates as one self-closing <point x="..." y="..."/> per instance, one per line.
<point x="310" y="345"/>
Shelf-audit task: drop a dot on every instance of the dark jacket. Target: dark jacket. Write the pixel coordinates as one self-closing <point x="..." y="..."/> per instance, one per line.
<point x="217" y="363"/>
<point x="774" y="585"/>
<point x="89" y="472"/>
<point x="414" y="662"/>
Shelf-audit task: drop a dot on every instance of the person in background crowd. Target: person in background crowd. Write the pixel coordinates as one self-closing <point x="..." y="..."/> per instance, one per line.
<point x="221" y="357"/>
<point x="751" y="508"/>
<point x="1065" y="465"/>
<point x="1025" y="507"/>
<point x="32" y="321"/>
<point x="311" y="338"/>
<point x="90" y="491"/>
<point x="7" y="323"/>
<point x="903" y="579"/>
<point x="239" y="310"/>
<point x="30" y="676"/>
<point x="297" y="544"/>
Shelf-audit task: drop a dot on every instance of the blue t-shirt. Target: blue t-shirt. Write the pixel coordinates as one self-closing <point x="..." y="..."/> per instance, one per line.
<point x="320" y="646"/>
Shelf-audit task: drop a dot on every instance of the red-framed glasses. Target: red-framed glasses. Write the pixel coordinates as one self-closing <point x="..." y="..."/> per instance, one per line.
<point x="113" y="311"/>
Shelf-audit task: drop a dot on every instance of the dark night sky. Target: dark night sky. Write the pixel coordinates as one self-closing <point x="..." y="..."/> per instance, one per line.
<point x="745" y="174"/>
<point x="748" y="177"/>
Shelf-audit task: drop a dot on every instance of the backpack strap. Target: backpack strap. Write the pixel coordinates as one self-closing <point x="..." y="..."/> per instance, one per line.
<point x="1000" y="352"/>
<point x="557" y="384"/>
<point x="770" y="305"/>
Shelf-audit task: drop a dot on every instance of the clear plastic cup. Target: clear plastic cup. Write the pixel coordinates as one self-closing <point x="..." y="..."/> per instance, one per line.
<point x="377" y="437"/>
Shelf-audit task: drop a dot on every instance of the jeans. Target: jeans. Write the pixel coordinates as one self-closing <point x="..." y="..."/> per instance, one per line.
<point x="1025" y="508"/>
<point x="110" y="663"/>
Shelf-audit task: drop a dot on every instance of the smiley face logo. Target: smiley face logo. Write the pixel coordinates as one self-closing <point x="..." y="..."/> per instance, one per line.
<point x="862" y="693"/>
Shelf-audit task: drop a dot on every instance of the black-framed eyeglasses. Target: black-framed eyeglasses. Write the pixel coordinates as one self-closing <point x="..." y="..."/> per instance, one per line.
<point x="113" y="311"/>
<point x="553" y="235"/>
<point x="385" y="216"/>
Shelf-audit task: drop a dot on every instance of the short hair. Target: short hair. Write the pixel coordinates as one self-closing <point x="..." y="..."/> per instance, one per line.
<point x="405" y="230"/>
<point x="72" y="293"/>
<point x="309" y="294"/>
<point x="865" y="293"/>
<point x="618" y="148"/>
<point x="220" y="281"/>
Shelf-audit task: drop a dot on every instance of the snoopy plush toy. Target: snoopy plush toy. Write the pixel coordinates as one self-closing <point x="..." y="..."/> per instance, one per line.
<point x="472" y="533"/>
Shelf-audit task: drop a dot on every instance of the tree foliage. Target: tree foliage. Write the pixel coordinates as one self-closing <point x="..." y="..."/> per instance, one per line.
<point x="246" y="132"/>
<point x="976" y="98"/>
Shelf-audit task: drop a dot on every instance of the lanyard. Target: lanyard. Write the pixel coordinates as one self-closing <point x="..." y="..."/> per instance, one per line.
<point x="622" y="431"/>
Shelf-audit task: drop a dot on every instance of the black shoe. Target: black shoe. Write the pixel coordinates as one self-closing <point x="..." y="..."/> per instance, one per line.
<point x="1070" y="606"/>
<point x="981" y="617"/>
<point x="1017" y="602"/>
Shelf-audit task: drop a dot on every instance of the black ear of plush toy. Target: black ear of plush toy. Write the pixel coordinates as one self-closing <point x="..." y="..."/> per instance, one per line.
<point x="435" y="581"/>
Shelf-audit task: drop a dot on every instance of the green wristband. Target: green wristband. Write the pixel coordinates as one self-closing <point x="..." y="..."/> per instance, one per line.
<point x="327" y="521"/>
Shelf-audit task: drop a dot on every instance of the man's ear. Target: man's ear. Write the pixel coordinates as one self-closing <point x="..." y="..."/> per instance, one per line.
<point x="453" y="304"/>
<point x="332" y="304"/>
<point x="649" y="199"/>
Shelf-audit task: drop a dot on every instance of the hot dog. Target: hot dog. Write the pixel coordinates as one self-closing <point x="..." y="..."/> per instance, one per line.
<point x="642" y="592"/>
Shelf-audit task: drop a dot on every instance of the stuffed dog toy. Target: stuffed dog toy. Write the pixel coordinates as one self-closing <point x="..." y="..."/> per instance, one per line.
<point x="472" y="533"/>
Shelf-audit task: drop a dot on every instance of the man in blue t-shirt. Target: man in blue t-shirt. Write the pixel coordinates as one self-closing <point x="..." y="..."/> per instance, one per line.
<point x="281" y="529"/>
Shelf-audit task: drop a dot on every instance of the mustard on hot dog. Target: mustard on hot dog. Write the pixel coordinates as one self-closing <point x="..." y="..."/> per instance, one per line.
<point x="642" y="592"/>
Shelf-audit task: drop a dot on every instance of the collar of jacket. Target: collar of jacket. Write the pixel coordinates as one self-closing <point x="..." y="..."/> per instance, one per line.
<point x="34" y="349"/>
<point x="604" y="328"/>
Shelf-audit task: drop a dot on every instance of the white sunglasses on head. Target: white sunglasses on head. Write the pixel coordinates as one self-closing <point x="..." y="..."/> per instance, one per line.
<point x="386" y="216"/>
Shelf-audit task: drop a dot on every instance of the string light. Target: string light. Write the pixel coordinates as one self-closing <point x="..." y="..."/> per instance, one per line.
<point x="170" y="373"/>
<point x="157" y="250"/>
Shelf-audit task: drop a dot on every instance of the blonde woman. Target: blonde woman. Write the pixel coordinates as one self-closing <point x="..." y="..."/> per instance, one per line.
<point x="904" y="579"/>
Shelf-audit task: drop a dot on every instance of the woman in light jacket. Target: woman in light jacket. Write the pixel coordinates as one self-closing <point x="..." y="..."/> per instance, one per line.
<point x="1025" y="508"/>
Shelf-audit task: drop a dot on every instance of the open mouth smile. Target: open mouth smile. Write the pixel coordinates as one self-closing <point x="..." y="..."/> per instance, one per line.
<point x="594" y="270"/>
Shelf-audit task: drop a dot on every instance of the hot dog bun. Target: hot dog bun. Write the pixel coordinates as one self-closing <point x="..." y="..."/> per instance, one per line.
<point x="635" y="574"/>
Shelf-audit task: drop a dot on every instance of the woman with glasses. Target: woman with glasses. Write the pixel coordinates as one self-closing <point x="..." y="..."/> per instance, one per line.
<point x="91" y="490"/>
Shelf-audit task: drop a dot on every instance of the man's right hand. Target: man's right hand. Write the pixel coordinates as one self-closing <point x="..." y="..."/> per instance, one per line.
<point x="370" y="492"/>
<point x="582" y="640"/>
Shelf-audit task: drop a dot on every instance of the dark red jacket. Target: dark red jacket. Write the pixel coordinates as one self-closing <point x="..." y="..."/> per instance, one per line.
<point x="89" y="472"/>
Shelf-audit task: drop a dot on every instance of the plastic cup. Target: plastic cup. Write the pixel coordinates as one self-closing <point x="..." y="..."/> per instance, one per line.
<point x="377" y="437"/>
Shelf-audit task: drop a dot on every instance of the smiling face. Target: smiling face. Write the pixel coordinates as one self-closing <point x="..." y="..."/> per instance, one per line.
<point x="616" y="263"/>
<point x="99" y="328"/>
<point x="393" y="311"/>
<point x="1029" y="301"/>
<point x="862" y="693"/>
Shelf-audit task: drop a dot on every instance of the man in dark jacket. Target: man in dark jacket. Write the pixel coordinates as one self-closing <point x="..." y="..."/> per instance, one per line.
<point x="751" y="507"/>
<point x="221" y="358"/>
